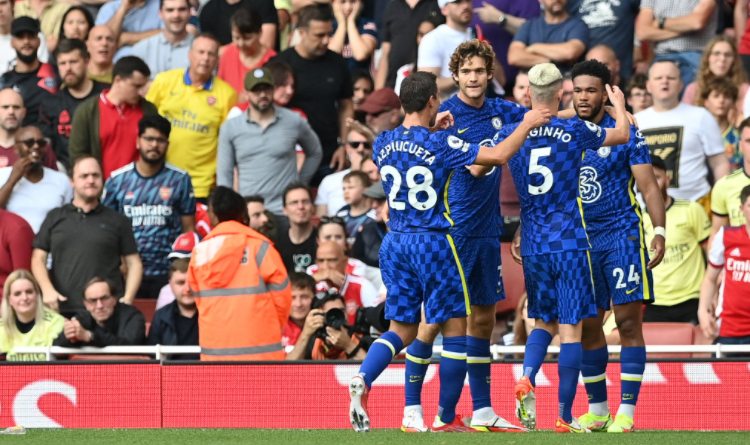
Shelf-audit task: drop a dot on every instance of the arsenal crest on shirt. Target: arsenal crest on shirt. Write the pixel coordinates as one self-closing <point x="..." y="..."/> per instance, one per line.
<point x="211" y="100"/>
<point x="165" y="192"/>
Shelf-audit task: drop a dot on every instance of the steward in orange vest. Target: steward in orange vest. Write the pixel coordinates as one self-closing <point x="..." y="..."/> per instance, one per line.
<point x="241" y="287"/>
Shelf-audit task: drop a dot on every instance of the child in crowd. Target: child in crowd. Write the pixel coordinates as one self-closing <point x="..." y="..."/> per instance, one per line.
<point x="358" y="210"/>
<point x="719" y="98"/>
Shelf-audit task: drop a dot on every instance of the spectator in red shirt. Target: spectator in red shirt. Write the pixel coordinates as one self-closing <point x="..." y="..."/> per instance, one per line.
<point x="333" y="228"/>
<point x="12" y="113"/>
<point x="16" y="237"/>
<point x="303" y="323"/>
<point x="730" y="252"/>
<point x="107" y="126"/>
<point x="246" y="52"/>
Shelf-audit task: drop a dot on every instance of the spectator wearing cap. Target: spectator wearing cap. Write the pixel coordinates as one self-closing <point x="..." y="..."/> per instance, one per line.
<point x="48" y="12"/>
<point x="182" y="248"/>
<point x="330" y="197"/>
<point x="383" y="110"/>
<point x="157" y="197"/>
<point x="176" y="324"/>
<point x="197" y="103"/>
<point x="34" y="80"/>
<point x="367" y="244"/>
<point x="7" y="54"/>
<point x="261" y="145"/>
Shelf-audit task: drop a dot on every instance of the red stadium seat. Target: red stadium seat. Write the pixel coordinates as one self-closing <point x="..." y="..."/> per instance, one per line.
<point x="109" y="357"/>
<point x="512" y="281"/>
<point x="668" y="334"/>
<point x="147" y="307"/>
<point x="700" y="339"/>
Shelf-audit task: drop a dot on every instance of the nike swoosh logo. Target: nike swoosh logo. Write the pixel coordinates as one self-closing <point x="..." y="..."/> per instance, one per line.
<point x="461" y="131"/>
<point x="414" y="379"/>
<point x="631" y="291"/>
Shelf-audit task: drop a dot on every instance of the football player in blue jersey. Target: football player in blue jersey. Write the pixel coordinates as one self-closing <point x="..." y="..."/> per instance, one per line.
<point x="620" y="262"/>
<point x="418" y="257"/>
<point x="554" y="244"/>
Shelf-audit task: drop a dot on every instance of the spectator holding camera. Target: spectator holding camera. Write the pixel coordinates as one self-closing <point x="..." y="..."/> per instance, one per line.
<point x="326" y="335"/>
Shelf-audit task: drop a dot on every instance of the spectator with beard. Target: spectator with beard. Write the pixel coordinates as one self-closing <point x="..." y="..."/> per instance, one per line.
<point x="383" y="110"/>
<point x="156" y="217"/>
<point x="168" y="50"/>
<point x="11" y="114"/>
<point x="521" y="89"/>
<point x="261" y="145"/>
<point x="298" y="244"/>
<point x="102" y="44"/>
<point x="29" y="189"/>
<point x="34" y="80"/>
<point x="303" y="294"/>
<point x="49" y="13"/>
<point x="176" y="324"/>
<point x="257" y="212"/>
<point x="57" y="113"/>
<point x="88" y="240"/>
<point x="7" y="54"/>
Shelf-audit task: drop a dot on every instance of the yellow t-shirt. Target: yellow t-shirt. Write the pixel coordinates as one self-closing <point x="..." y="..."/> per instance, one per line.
<point x="725" y="197"/>
<point x="102" y="78"/>
<point x="42" y="334"/>
<point x="52" y="15"/>
<point x="679" y="276"/>
<point x="196" y="113"/>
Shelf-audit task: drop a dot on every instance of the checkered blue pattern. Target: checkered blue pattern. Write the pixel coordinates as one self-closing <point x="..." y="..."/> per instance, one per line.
<point x="421" y="268"/>
<point x="620" y="274"/>
<point x="611" y="212"/>
<point x="416" y="166"/>
<point x="559" y="286"/>
<point x="474" y="203"/>
<point x="546" y="171"/>
<point x="481" y="263"/>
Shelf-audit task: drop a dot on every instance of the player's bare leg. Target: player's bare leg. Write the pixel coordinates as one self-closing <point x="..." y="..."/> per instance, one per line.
<point x="378" y="357"/>
<point x="418" y="356"/>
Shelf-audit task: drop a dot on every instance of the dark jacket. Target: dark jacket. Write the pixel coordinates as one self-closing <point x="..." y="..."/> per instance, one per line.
<point x="164" y="332"/>
<point x="125" y="327"/>
<point x="367" y="244"/>
<point x="84" y="135"/>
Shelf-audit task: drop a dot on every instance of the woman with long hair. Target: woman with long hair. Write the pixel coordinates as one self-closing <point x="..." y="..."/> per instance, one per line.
<point x="720" y="59"/>
<point x="25" y="320"/>
<point x="76" y="24"/>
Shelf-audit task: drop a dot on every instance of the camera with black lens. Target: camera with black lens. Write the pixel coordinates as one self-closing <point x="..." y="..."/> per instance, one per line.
<point x="369" y="321"/>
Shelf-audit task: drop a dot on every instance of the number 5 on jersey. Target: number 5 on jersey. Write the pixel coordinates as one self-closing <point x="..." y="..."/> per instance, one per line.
<point x="414" y="188"/>
<point x="535" y="168"/>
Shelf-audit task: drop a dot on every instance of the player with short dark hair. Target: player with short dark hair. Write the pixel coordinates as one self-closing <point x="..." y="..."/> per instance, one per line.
<point x="554" y="244"/>
<point x="419" y="260"/>
<point x="619" y="256"/>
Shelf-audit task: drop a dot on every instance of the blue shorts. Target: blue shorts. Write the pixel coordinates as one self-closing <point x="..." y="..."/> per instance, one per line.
<point x="482" y="264"/>
<point x="422" y="268"/>
<point x="559" y="286"/>
<point x="621" y="275"/>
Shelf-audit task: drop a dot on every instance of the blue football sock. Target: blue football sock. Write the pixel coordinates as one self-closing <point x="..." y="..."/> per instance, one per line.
<point x="536" y="350"/>
<point x="452" y="376"/>
<point x="417" y="360"/>
<point x="379" y="356"/>
<point x="632" y="366"/>
<point x="594" y="372"/>
<point x="568" y="368"/>
<point x="478" y="359"/>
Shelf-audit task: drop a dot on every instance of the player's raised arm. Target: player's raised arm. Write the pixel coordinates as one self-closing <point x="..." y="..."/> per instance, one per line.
<point x="621" y="133"/>
<point x="501" y="153"/>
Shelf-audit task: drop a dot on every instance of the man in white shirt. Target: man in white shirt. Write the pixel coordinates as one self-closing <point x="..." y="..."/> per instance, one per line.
<point x="684" y="136"/>
<point x="330" y="197"/>
<point x="7" y="53"/>
<point x="28" y="188"/>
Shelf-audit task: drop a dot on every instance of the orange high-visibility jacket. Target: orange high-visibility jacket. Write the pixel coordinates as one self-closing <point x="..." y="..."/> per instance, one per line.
<point x="242" y="293"/>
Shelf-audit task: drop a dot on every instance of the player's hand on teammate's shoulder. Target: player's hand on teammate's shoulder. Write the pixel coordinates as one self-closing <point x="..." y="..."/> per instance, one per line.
<point x="444" y="120"/>
<point x="656" y="251"/>
<point x="537" y="117"/>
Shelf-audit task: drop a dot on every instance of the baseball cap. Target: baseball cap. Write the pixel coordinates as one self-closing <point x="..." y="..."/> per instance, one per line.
<point x="375" y="191"/>
<point x="183" y="246"/>
<point x="258" y="76"/>
<point x="381" y="100"/>
<point x="24" y="24"/>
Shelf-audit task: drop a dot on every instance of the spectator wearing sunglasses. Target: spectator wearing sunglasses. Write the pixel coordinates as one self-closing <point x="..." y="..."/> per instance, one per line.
<point x="383" y="110"/>
<point x="29" y="188"/>
<point x="330" y="196"/>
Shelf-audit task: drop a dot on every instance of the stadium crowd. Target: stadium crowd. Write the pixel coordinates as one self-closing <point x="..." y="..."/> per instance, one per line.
<point x="130" y="129"/>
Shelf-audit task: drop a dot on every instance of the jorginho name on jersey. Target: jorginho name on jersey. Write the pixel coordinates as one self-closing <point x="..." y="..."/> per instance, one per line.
<point x="613" y="216"/>
<point x="546" y="173"/>
<point x="416" y="167"/>
<point x="474" y="203"/>
<point x="155" y="205"/>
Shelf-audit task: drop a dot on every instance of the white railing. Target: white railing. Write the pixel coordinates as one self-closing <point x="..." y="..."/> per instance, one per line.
<point x="497" y="350"/>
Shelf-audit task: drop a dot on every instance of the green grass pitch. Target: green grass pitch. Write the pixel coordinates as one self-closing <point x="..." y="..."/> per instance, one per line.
<point x="348" y="437"/>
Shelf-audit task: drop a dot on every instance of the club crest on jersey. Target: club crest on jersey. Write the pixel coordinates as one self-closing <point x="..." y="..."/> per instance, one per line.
<point x="165" y="192"/>
<point x="129" y="195"/>
<point x="497" y="123"/>
<point x="211" y="100"/>
<point x="589" y="188"/>
<point x="604" y="152"/>
<point x="458" y="144"/>
<point x="594" y="128"/>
